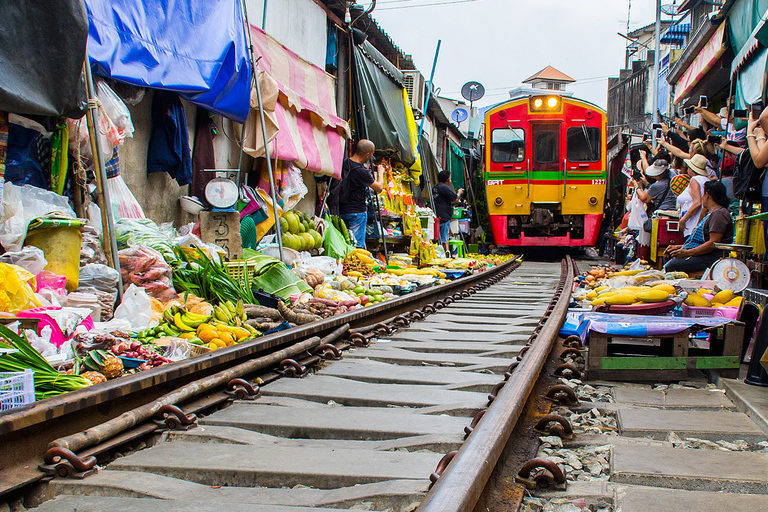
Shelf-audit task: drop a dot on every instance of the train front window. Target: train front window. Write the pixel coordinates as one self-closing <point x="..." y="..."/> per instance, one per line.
<point x="508" y="145"/>
<point x="545" y="144"/>
<point x="583" y="144"/>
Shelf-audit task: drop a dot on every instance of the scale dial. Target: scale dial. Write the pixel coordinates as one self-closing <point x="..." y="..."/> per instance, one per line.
<point x="222" y="193"/>
<point x="731" y="274"/>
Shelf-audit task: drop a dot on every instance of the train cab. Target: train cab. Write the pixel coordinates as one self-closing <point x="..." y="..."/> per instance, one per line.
<point x="545" y="171"/>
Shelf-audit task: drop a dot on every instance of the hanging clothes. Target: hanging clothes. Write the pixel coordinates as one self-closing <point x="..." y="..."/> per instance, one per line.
<point x="202" y="155"/>
<point x="169" y="142"/>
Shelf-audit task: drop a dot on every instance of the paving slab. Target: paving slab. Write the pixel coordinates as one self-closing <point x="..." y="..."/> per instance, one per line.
<point x="439" y="443"/>
<point x="132" y="484"/>
<point x="652" y="499"/>
<point x="100" y="504"/>
<point x="379" y="372"/>
<point x="269" y="466"/>
<point x="507" y="349"/>
<point x="711" y="425"/>
<point x="408" y="357"/>
<point x="690" y="469"/>
<point x="751" y="400"/>
<point x="672" y="398"/>
<point x="332" y="422"/>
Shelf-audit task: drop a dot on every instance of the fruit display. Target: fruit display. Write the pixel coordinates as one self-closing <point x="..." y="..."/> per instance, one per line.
<point x="299" y="232"/>
<point x="360" y="263"/>
<point x="707" y="298"/>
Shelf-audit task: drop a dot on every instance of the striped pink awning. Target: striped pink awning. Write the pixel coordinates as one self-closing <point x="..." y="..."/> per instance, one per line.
<point x="301" y="116"/>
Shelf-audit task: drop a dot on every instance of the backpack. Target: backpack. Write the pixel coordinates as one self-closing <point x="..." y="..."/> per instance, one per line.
<point x="747" y="179"/>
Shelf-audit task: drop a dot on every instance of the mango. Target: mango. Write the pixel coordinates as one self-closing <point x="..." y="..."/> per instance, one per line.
<point x="696" y="300"/>
<point x="653" y="296"/>
<point x="723" y="296"/>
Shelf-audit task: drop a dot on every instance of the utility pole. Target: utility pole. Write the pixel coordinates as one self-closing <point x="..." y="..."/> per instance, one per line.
<point x="656" y="51"/>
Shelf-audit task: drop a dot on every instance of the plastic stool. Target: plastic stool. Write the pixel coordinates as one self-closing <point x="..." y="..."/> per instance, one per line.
<point x="460" y="249"/>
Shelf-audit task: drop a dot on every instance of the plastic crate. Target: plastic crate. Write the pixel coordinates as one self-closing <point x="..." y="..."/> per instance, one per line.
<point x="16" y="389"/>
<point x="238" y="269"/>
<point x="698" y="312"/>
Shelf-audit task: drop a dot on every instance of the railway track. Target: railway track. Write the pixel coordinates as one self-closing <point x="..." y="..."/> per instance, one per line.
<point x="370" y="431"/>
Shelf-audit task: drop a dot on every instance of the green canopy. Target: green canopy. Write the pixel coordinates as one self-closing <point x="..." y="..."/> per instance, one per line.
<point x="455" y="163"/>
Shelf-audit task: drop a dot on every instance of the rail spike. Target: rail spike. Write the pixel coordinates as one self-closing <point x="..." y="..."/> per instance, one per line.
<point x="290" y="368"/>
<point x="60" y="462"/>
<point x="573" y="352"/>
<point x="329" y="351"/>
<point x="562" y="427"/>
<point x="568" y="367"/>
<point x="359" y="340"/>
<point x="447" y="458"/>
<point x="572" y="341"/>
<point x="241" y="389"/>
<point x="472" y="424"/>
<point x="552" y="473"/>
<point x="563" y="394"/>
<point x="174" y="418"/>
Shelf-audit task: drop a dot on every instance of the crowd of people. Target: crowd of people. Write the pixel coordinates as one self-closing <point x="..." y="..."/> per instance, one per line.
<point x="700" y="175"/>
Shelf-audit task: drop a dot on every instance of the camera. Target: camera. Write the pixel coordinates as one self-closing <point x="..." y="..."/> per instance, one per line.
<point x="757" y="109"/>
<point x="740" y="113"/>
<point x="714" y="139"/>
<point x="703" y="101"/>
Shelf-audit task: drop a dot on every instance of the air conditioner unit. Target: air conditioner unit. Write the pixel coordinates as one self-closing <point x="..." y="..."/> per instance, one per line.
<point x="417" y="91"/>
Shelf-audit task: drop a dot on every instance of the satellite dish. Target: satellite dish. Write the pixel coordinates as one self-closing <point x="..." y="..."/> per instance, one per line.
<point x="459" y="115"/>
<point x="472" y="91"/>
<point x="671" y="9"/>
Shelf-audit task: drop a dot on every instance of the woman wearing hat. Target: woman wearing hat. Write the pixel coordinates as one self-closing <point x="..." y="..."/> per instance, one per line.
<point x="657" y="194"/>
<point x="699" y="251"/>
<point x="690" y="199"/>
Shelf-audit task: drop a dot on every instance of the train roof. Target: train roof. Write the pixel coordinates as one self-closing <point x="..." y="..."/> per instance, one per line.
<point x="525" y="95"/>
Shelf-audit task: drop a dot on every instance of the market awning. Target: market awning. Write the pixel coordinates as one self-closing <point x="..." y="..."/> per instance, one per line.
<point x="706" y="58"/>
<point x="749" y="46"/>
<point x="676" y="34"/>
<point x="751" y="78"/>
<point x="380" y="113"/>
<point x="454" y="161"/>
<point x="42" y="49"/>
<point x="196" y="48"/>
<point x="300" y="102"/>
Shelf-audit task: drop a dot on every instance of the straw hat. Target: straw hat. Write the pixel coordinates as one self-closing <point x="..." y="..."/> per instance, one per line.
<point x="658" y="167"/>
<point x="679" y="183"/>
<point x="699" y="164"/>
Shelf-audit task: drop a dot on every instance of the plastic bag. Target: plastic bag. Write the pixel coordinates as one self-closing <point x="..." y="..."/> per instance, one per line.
<point x="115" y="109"/>
<point x="91" y="250"/>
<point x="145" y="267"/>
<point x="124" y="203"/>
<point x="178" y="350"/>
<point x="22" y="159"/>
<point x="16" y="293"/>
<point x="325" y="264"/>
<point x="99" y="277"/>
<point x="334" y="244"/>
<point x="47" y="280"/>
<point x="23" y="204"/>
<point x="637" y="213"/>
<point x="109" y="137"/>
<point x="29" y="258"/>
<point x="131" y="232"/>
<point x="293" y="188"/>
<point x="136" y="308"/>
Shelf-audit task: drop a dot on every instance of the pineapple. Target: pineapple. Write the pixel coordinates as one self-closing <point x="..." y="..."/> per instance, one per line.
<point x="112" y="367"/>
<point x="94" y="377"/>
<point x="103" y="362"/>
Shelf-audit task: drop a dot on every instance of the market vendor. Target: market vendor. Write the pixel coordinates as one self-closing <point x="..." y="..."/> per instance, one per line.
<point x="444" y="198"/>
<point x="355" y="180"/>
<point x="699" y="251"/>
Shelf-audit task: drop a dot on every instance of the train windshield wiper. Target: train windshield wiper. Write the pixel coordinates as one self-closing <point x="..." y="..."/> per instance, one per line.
<point x="586" y="137"/>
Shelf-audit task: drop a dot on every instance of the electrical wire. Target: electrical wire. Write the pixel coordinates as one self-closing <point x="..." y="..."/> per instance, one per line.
<point x="424" y="5"/>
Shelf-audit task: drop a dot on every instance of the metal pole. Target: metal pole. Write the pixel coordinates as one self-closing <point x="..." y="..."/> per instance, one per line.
<point x="264" y="136"/>
<point x="107" y="220"/>
<point x="421" y="125"/>
<point x="656" y="51"/>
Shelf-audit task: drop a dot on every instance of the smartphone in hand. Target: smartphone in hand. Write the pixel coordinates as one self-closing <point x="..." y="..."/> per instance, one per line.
<point x="757" y="109"/>
<point x="740" y="113"/>
<point x="703" y="101"/>
<point x="689" y="111"/>
<point x="714" y="139"/>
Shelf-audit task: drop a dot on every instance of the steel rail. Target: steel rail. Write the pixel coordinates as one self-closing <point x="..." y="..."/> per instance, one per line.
<point x="26" y="432"/>
<point x="459" y="487"/>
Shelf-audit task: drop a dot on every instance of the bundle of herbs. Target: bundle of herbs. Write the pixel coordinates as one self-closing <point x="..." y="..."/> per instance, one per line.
<point x="204" y="277"/>
<point x="21" y="355"/>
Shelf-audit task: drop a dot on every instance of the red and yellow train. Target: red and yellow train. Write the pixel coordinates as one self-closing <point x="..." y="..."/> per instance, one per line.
<point x="545" y="171"/>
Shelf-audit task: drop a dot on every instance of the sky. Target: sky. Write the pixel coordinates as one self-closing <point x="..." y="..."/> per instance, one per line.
<point x="500" y="43"/>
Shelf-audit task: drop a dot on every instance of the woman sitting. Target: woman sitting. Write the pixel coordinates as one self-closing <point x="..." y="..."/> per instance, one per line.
<point x="699" y="251"/>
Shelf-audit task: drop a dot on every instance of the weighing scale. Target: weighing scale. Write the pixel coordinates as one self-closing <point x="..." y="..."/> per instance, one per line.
<point x="222" y="193"/>
<point x="730" y="273"/>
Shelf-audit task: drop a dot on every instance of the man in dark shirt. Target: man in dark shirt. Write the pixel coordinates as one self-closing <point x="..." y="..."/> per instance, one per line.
<point x="355" y="180"/>
<point x="444" y="197"/>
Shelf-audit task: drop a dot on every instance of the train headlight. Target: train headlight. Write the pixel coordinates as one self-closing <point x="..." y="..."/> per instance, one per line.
<point x="498" y="201"/>
<point x="593" y="200"/>
<point x="545" y="103"/>
<point x="552" y="102"/>
<point x="538" y="103"/>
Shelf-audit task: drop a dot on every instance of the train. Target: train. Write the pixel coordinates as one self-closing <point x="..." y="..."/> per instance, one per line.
<point x="545" y="171"/>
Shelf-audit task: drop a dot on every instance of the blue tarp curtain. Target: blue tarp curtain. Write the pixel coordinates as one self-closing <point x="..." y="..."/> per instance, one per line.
<point x="196" y="48"/>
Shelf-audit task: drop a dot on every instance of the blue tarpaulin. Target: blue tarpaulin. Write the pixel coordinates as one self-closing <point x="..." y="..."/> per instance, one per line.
<point x="196" y="48"/>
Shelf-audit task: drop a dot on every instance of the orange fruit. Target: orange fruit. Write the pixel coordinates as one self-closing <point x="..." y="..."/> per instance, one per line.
<point x="207" y="335"/>
<point x="227" y="338"/>
<point x="219" y="343"/>
<point x="212" y="346"/>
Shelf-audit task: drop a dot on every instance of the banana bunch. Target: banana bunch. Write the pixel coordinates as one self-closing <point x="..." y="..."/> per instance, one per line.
<point x="365" y="256"/>
<point x="230" y="313"/>
<point x="182" y="320"/>
<point x="417" y="271"/>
